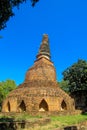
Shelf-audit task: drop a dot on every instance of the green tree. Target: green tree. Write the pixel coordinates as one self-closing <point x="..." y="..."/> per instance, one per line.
<point x="6" y="9"/>
<point x="64" y="86"/>
<point x="5" y="88"/>
<point x="76" y="76"/>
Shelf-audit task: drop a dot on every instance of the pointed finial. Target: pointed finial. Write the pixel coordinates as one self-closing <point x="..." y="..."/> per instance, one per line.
<point x="44" y="50"/>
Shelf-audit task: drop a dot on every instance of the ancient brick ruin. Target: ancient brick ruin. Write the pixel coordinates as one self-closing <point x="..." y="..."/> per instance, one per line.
<point x="40" y="90"/>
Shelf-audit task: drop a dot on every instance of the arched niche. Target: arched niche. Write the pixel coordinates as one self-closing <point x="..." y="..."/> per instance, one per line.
<point x="43" y="106"/>
<point x="8" y="107"/>
<point x="22" y="106"/>
<point x="63" y="105"/>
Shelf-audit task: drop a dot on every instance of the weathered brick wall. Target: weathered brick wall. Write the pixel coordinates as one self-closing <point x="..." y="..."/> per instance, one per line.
<point x="43" y="69"/>
<point x="32" y="97"/>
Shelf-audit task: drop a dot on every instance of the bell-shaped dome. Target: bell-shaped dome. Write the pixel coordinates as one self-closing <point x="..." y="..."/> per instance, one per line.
<point x="42" y="69"/>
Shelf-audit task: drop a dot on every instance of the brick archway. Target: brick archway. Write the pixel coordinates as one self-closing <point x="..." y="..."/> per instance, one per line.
<point x="22" y="106"/>
<point x="63" y="105"/>
<point x="43" y="106"/>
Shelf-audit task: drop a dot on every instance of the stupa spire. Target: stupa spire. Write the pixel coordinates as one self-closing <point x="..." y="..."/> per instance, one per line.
<point x="44" y="50"/>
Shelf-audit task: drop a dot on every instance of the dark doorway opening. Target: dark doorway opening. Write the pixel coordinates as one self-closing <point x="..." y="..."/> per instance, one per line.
<point x="22" y="106"/>
<point x="8" y="107"/>
<point x="63" y="105"/>
<point x="43" y="106"/>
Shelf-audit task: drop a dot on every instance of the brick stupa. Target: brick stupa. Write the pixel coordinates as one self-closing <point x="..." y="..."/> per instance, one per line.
<point x="40" y="90"/>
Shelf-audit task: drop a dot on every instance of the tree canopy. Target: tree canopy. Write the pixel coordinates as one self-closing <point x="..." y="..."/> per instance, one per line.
<point x="64" y="85"/>
<point x="5" y="88"/>
<point x="76" y="76"/>
<point x="6" y="9"/>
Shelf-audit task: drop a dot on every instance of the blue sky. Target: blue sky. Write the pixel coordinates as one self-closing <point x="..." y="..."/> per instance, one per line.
<point x="64" y="21"/>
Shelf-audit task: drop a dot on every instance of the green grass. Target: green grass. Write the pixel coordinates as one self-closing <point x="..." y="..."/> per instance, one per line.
<point x="69" y="120"/>
<point x="26" y="116"/>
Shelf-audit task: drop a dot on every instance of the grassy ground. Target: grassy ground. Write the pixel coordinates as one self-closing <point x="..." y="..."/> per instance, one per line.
<point x="56" y="121"/>
<point x="61" y="122"/>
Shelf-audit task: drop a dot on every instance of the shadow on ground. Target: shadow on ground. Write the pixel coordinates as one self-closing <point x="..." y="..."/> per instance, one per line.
<point x="71" y="128"/>
<point x="10" y="124"/>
